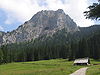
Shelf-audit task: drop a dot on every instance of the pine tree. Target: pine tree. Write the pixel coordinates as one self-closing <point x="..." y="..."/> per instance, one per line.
<point x="1" y="56"/>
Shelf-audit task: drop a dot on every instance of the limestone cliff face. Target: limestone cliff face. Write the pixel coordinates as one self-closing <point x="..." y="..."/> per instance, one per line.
<point x="43" y="23"/>
<point x="1" y="36"/>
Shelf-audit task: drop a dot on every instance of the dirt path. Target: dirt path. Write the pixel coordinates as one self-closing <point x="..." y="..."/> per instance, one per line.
<point x="81" y="71"/>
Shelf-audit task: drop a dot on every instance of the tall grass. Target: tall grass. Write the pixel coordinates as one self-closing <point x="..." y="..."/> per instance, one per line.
<point x="45" y="67"/>
<point x="94" y="69"/>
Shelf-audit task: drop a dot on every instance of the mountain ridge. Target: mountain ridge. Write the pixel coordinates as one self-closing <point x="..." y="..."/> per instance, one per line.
<point x="45" y="22"/>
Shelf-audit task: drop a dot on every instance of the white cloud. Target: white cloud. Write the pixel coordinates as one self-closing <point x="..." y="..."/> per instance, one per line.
<point x="23" y="10"/>
<point x="1" y="28"/>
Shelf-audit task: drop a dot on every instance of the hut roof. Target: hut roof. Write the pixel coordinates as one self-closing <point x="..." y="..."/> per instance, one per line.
<point x="81" y="60"/>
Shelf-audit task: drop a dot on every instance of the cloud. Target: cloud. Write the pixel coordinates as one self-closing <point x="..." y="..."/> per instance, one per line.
<point x="1" y="28"/>
<point x="23" y="10"/>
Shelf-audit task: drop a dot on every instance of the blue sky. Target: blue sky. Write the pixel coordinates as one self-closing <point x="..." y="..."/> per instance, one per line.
<point x="15" y="12"/>
<point x="7" y="26"/>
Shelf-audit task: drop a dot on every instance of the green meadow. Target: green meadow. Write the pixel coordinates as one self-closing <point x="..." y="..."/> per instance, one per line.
<point x="44" y="67"/>
<point x="94" y="69"/>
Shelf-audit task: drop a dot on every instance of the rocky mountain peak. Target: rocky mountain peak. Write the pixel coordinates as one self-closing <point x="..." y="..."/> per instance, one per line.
<point x="50" y="18"/>
<point x="60" y="11"/>
<point x="48" y="13"/>
<point x="43" y="23"/>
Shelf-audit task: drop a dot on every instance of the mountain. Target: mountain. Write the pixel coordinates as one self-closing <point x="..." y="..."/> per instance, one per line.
<point x="1" y="36"/>
<point x="85" y="32"/>
<point x="43" y="23"/>
<point x="50" y="35"/>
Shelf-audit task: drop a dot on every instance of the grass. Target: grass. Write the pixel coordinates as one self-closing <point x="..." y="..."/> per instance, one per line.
<point x="45" y="67"/>
<point x="94" y="69"/>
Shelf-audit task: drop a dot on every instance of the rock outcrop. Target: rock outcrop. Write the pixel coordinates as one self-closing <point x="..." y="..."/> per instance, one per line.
<point x="43" y="23"/>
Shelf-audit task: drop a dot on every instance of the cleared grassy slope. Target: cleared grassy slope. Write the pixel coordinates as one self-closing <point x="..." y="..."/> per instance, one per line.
<point x="45" y="67"/>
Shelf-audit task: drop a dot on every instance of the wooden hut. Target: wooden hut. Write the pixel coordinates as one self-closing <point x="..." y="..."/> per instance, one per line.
<point x="82" y="61"/>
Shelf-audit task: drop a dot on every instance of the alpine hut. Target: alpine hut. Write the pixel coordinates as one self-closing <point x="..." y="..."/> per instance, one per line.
<point x="82" y="61"/>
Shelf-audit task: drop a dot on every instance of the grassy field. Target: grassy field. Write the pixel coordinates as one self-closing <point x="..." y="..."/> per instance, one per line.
<point x="94" y="69"/>
<point x="46" y="67"/>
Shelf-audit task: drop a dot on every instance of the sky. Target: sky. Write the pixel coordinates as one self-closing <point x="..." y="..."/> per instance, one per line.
<point x="15" y="12"/>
